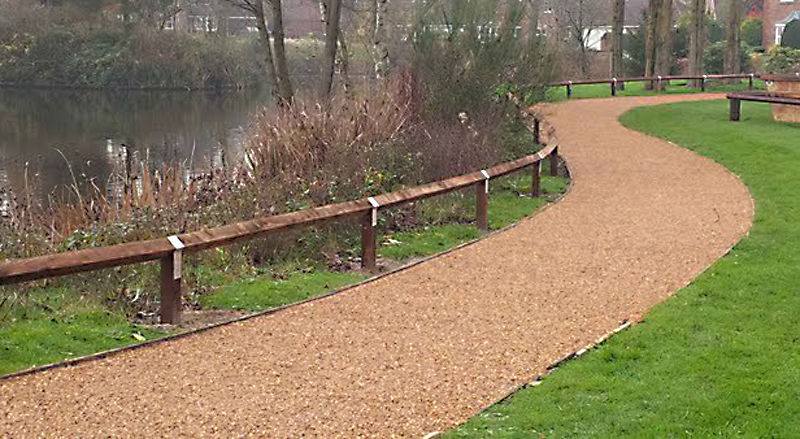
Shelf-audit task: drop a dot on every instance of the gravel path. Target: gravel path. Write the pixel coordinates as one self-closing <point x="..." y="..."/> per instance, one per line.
<point x="425" y="349"/>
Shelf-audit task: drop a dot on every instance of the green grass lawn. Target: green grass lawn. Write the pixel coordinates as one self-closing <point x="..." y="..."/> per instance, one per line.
<point x="590" y="91"/>
<point x="56" y="324"/>
<point x="270" y="292"/>
<point x="508" y="203"/>
<point x="720" y="358"/>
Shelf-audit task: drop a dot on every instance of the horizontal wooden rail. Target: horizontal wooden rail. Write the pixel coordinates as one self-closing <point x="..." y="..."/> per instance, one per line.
<point x="170" y="250"/>
<point x="656" y="80"/>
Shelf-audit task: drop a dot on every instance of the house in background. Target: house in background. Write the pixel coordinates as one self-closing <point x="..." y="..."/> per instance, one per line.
<point x="301" y="18"/>
<point x="777" y="14"/>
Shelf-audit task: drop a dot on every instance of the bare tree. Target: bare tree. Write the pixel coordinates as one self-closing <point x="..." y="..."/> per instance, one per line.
<point x="664" y="40"/>
<point x="333" y="13"/>
<point x="651" y="37"/>
<point x="658" y="39"/>
<point x="580" y="18"/>
<point x="380" y="54"/>
<point x="281" y="66"/>
<point x="732" y="60"/>
<point x="534" y="13"/>
<point x="342" y="58"/>
<point x="618" y="29"/>
<point x="277" y="70"/>
<point x="697" y="38"/>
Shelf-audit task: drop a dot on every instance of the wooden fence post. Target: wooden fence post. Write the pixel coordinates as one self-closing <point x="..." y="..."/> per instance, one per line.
<point x="537" y="131"/>
<point x="368" y="245"/>
<point x="482" y="203"/>
<point x="660" y="84"/>
<point x="171" y="285"/>
<point x="613" y="86"/>
<point x="751" y="81"/>
<point x="736" y="110"/>
<point x="554" y="163"/>
<point x="569" y="89"/>
<point x="536" y="171"/>
<point x="703" y="83"/>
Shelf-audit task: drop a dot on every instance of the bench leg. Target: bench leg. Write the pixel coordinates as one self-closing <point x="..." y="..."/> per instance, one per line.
<point x="736" y="110"/>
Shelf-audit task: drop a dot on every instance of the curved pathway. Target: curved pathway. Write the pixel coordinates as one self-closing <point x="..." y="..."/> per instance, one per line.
<point x="426" y="348"/>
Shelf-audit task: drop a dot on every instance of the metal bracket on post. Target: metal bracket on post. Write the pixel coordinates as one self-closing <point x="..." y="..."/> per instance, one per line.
<point x="177" y="257"/>
<point x="486" y="182"/>
<point x="375" y="205"/>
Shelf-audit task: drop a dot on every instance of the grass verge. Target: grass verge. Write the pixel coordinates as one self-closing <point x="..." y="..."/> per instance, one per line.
<point x="508" y="204"/>
<point x="57" y="324"/>
<point x="718" y="359"/>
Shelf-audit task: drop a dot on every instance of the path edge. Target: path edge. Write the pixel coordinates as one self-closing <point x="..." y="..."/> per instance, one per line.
<point x="192" y="332"/>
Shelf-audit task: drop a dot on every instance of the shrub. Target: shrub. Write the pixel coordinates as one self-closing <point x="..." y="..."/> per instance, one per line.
<point x="752" y="32"/>
<point x="780" y="59"/>
<point x="462" y="62"/>
<point x="714" y="58"/>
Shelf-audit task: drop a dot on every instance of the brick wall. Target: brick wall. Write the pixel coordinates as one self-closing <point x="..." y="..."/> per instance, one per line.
<point x="776" y="11"/>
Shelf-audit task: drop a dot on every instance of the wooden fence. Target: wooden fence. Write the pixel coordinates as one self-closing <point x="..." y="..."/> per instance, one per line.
<point x="169" y="250"/>
<point x="657" y="82"/>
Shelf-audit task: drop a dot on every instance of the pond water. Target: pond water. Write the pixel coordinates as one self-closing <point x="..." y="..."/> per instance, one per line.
<point x="95" y="129"/>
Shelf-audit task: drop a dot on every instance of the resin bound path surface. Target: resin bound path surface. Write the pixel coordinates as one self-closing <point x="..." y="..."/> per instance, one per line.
<point x="424" y="349"/>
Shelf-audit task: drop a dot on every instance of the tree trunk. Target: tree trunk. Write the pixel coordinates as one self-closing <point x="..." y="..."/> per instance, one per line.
<point x="331" y="13"/>
<point x="697" y="39"/>
<point x="664" y="39"/>
<point x="535" y="9"/>
<point x="285" y="90"/>
<point x="617" y="68"/>
<point x="380" y="53"/>
<point x="732" y="59"/>
<point x="653" y="10"/>
<point x="344" y="62"/>
<point x="263" y="34"/>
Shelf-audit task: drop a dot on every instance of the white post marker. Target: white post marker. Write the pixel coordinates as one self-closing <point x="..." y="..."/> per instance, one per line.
<point x="541" y="156"/>
<point x="177" y="256"/>
<point x="375" y="206"/>
<point x="486" y="182"/>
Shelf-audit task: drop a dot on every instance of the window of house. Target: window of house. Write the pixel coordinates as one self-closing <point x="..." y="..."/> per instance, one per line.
<point x="779" y="28"/>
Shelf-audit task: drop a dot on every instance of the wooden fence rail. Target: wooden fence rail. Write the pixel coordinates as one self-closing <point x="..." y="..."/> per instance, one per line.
<point x="657" y="81"/>
<point x="169" y="251"/>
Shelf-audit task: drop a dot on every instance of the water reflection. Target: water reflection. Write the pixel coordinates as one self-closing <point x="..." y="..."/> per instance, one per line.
<point x="101" y="132"/>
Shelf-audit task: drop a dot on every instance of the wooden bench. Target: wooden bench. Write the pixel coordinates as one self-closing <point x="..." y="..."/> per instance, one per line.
<point x="737" y="98"/>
